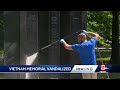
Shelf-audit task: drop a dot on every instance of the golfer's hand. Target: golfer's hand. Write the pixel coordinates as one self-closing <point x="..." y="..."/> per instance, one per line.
<point x="62" y="41"/>
<point x="85" y="32"/>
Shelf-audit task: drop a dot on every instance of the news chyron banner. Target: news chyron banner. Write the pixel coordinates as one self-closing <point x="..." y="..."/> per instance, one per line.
<point x="60" y="68"/>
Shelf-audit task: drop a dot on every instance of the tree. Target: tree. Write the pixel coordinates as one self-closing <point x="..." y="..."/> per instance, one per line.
<point x="115" y="38"/>
<point x="101" y="23"/>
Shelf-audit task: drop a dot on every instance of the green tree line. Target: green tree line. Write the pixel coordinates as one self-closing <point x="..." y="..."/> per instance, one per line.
<point x="101" y="23"/>
<point x="106" y="24"/>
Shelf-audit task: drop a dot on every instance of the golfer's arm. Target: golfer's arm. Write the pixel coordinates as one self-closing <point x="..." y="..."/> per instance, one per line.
<point x="91" y="34"/>
<point x="67" y="46"/>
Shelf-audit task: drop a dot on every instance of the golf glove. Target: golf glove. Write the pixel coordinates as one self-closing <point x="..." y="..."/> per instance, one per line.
<point x="85" y="32"/>
<point x="62" y="41"/>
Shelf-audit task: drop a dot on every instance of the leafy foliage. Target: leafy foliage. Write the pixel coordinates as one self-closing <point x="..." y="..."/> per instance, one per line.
<point x="101" y="22"/>
<point x="1" y="30"/>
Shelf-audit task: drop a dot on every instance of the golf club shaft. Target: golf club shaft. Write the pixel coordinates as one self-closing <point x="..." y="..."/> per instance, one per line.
<point x="59" y="40"/>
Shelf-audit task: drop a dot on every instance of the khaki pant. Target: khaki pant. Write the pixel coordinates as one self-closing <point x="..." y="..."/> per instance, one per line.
<point x="89" y="75"/>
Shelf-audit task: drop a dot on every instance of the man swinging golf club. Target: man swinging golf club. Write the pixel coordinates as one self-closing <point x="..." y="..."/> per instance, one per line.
<point x="86" y="50"/>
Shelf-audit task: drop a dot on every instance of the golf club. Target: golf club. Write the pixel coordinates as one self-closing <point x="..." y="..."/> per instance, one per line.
<point x="80" y="31"/>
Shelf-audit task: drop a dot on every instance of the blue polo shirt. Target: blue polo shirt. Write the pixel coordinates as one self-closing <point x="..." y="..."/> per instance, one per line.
<point x="86" y="51"/>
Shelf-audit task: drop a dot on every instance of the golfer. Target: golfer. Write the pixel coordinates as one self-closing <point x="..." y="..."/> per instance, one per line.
<point x="86" y="50"/>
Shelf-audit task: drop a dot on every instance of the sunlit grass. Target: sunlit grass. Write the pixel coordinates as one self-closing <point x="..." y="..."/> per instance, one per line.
<point x="104" y="59"/>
